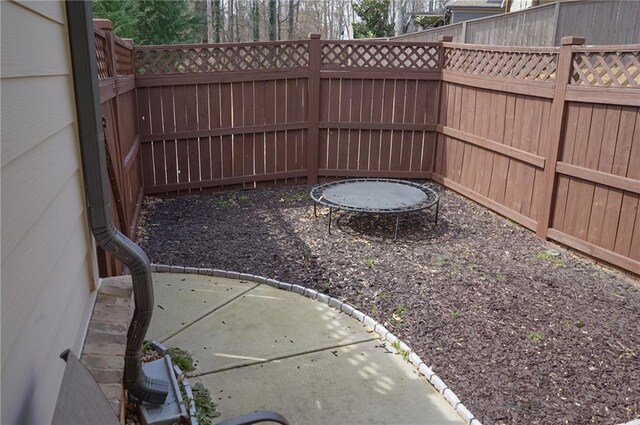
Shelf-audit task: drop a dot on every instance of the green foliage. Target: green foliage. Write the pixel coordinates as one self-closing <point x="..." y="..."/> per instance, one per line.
<point x="375" y="19"/>
<point x="543" y="255"/>
<point x="400" y="310"/>
<point x="369" y="263"/>
<point x="535" y="336"/>
<point x="146" y="345"/>
<point x="123" y="14"/>
<point x="403" y="353"/>
<point x="426" y="21"/>
<point x="397" y="316"/>
<point x="181" y="358"/>
<point x="205" y="408"/>
<point x="548" y="255"/>
<point x="152" y="21"/>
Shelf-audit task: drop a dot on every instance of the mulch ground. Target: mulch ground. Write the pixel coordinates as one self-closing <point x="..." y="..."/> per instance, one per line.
<point x="520" y="329"/>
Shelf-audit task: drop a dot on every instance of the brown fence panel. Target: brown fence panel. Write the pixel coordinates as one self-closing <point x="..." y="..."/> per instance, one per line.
<point x="500" y="110"/>
<point x="118" y="102"/>
<point x="596" y="206"/>
<point x="222" y="115"/>
<point x="492" y="139"/>
<point x="377" y="109"/>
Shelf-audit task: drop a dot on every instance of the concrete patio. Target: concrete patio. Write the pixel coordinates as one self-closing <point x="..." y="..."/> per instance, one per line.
<point x="260" y="348"/>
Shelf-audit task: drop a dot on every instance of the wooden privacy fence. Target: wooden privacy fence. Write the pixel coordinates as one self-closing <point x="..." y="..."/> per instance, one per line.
<point x="246" y="113"/>
<point x="599" y="21"/>
<point x="118" y="102"/>
<point x="549" y="137"/>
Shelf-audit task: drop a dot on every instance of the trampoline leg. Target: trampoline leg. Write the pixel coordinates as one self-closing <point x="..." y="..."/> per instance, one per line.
<point x="315" y="214"/>
<point x="437" y="210"/>
<point x="330" y="211"/>
<point x="397" y="226"/>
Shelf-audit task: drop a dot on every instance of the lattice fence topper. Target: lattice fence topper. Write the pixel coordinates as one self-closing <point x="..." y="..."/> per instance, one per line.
<point x="616" y="69"/>
<point x="124" y="65"/>
<point x="532" y="65"/>
<point x="101" y="56"/>
<point x="224" y="58"/>
<point x="345" y="55"/>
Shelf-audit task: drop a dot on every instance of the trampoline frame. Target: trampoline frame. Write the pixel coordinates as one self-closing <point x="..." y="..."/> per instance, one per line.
<point x="432" y="199"/>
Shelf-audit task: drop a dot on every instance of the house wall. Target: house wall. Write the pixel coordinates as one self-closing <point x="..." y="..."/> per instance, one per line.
<point x="48" y="266"/>
<point x="458" y="16"/>
<point x="516" y="5"/>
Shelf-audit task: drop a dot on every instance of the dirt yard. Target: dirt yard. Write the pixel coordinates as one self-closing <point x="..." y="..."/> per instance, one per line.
<point x="522" y="330"/>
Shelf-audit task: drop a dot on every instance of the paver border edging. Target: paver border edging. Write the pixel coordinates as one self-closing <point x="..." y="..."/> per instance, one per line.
<point x="368" y="321"/>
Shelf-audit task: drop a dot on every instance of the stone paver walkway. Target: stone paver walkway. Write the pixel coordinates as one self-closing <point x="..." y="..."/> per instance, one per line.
<point x="261" y="348"/>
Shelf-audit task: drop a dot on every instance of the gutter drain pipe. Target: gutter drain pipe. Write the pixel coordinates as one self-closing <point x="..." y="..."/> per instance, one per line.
<point x="85" y="78"/>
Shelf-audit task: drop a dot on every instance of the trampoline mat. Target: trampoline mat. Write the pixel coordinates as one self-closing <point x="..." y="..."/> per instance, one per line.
<point x="375" y="195"/>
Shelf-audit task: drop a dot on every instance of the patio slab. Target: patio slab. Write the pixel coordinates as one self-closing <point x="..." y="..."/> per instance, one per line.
<point x="356" y="384"/>
<point x="265" y="324"/>
<point x="262" y="348"/>
<point x="181" y="299"/>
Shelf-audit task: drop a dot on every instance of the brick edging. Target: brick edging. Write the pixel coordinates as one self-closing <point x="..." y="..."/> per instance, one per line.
<point x="368" y="321"/>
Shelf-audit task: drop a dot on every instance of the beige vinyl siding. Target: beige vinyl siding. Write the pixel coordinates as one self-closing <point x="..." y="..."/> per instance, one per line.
<point x="48" y="280"/>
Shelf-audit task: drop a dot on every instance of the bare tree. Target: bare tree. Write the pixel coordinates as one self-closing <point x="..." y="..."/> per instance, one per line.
<point x="255" y="19"/>
<point x="273" y="19"/>
<point x="218" y="16"/>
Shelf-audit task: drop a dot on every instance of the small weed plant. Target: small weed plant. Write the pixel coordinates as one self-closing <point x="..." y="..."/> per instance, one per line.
<point x="181" y="358"/>
<point x="543" y="256"/>
<point x="400" y="310"/>
<point x="403" y="353"/>
<point x="205" y="408"/>
<point x="535" y="336"/>
<point x="369" y="263"/>
<point x="397" y="316"/>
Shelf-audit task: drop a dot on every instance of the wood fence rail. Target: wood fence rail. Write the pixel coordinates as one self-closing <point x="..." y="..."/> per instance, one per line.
<point x="549" y="137"/>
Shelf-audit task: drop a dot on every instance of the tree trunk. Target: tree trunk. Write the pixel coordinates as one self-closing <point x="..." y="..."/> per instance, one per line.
<point x="273" y="19"/>
<point x="290" y="16"/>
<point x="230" y="21"/>
<point x="255" y="15"/>
<point x="217" y="19"/>
<point x="209" y="22"/>
<point x="399" y="17"/>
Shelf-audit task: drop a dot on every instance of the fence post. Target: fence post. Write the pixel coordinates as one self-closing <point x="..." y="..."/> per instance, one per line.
<point x="315" y="51"/>
<point x="434" y="152"/>
<point x="563" y="72"/>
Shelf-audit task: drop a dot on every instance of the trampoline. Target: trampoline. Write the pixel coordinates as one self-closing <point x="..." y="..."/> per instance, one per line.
<point x="375" y="196"/>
